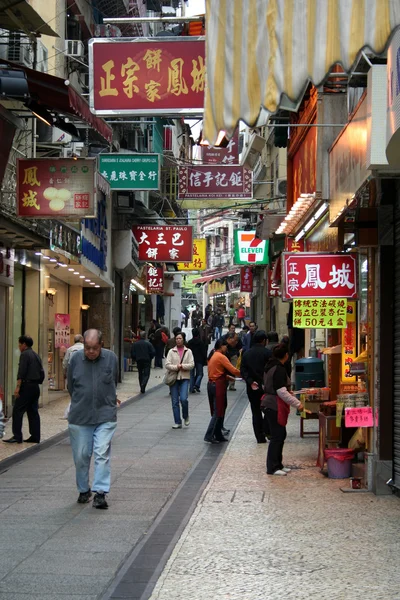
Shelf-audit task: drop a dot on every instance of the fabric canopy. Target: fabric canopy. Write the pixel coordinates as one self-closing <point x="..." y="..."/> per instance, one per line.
<point x="220" y="275"/>
<point x="258" y="50"/>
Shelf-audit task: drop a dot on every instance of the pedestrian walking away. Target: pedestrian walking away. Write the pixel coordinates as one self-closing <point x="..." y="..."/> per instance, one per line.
<point x="232" y="314"/>
<point x="241" y="314"/>
<point x="218" y="323"/>
<point x="27" y="393"/>
<point x="160" y="338"/>
<point x="92" y="419"/>
<point x="276" y="403"/>
<point x="180" y="362"/>
<point x="252" y="369"/>
<point x="143" y="353"/>
<point x="219" y="368"/>
<point x="78" y="345"/>
<point x="200" y="360"/>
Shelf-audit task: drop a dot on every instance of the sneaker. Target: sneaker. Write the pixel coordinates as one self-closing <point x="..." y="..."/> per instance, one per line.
<point x="197" y="389"/>
<point x="99" y="501"/>
<point x="187" y="422"/>
<point x="279" y="472"/>
<point x="225" y="431"/>
<point x="212" y="440"/>
<point x="84" y="497"/>
<point x="177" y="426"/>
<point x="286" y="469"/>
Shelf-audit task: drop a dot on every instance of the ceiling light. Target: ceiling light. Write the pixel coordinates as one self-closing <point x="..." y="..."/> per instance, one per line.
<point x="87" y="280"/>
<point x="299" y="236"/>
<point x="53" y="260"/>
<point x="139" y="285"/>
<point x="81" y="276"/>
<point x="71" y="269"/>
<point x="92" y="283"/>
<point x="46" y="257"/>
<point x="96" y="286"/>
<point x="308" y="225"/>
<point x="47" y="276"/>
<point x="38" y="254"/>
<point x="320" y="211"/>
<point x="76" y="272"/>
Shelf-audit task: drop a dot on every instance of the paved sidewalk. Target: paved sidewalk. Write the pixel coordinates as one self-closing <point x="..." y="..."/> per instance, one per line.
<point x="257" y="537"/>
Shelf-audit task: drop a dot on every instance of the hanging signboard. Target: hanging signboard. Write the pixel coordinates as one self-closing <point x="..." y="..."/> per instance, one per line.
<point x="164" y="76"/>
<point x="359" y="417"/>
<point x="62" y="329"/>
<point x="293" y="246"/>
<point x="199" y="262"/>
<point x="349" y="345"/>
<point x="216" y="287"/>
<point x="319" y="313"/>
<point x="65" y="240"/>
<point x="273" y="288"/>
<point x="131" y="171"/>
<point x="308" y="275"/>
<point x="246" y="279"/>
<point x="222" y="156"/>
<point x="249" y="250"/>
<point x="215" y="182"/>
<point x="154" y="280"/>
<point x="56" y="187"/>
<point x="163" y="243"/>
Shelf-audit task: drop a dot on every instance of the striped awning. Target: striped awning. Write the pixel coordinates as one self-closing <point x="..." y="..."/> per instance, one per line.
<point x="258" y="50"/>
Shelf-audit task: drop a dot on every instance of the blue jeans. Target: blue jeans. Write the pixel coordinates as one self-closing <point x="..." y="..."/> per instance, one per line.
<point x="196" y="376"/>
<point x="179" y="393"/>
<point x="85" y="441"/>
<point x="218" y="332"/>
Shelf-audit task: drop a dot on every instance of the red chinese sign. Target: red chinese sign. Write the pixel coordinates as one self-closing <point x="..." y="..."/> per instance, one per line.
<point x="246" y="279"/>
<point x="56" y="187"/>
<point x="147" y="77"/>
<point x="293" y="246"/>
<point x="215" y="182"/>
<point x="154" y="280"/>
<point x="309" y="275"/>
<point x="273" y="289"/>
<point x="163" y="243"/>
<point x="222" y="156"/>
<point x="304" y="166"/>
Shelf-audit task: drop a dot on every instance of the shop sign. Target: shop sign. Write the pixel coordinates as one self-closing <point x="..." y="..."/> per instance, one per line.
<point x="359" y="417"/>
<point x="95" y="236"/>
<point x="246" y="279"/>
<point x="249" y="250"/>
<point x="139" y="77"/>
<point x="199" y="262"/>
<point x="131" y="171"/>
<point x="56" y="188"/>
<point x="304" y="166"/>
<point x="222" y="156"/>
<point x="293" y="246"/>
<point x="163" y="243"/>
<point x="349" y="345"/>
<point x="65" y="240"/>
<point x="233" y="282"/>
<point x="309" y="275"/>
<point x="320" y="313"/>
<point x="216" y="287"/>
<point x="215" y="182"/>
<point x="273" y="288"/>
<point x="62" y="329"/>
<point x="154" y="280"/>
<point x="7" y="266"/>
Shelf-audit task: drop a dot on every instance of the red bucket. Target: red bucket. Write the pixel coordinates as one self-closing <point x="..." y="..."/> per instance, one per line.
<point x="339" y="462"/>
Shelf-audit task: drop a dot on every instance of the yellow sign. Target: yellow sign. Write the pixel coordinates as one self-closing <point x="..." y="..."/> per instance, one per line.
<point x="349" y="343"/>
<point x="199" y="261"/>
<point x="216" y="287"/>
<point x="319" y="313"/>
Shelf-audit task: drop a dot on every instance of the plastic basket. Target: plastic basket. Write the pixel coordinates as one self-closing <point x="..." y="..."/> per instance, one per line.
<point x="339" y="462"/>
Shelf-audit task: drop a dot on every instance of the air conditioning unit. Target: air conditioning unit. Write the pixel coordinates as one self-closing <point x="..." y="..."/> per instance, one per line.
<point x="74" y="48"/>
<point x="19" y="49"/>
<point x="281" y="187"/>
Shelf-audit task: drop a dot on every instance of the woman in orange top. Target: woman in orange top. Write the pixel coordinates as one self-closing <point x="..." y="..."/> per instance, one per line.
<point x="218" y="368"/>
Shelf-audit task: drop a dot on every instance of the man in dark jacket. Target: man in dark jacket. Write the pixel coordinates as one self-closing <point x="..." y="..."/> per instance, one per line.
<point x="143" y="352"/>
<point x="200" y="359"/>
<point x="248" y="339"/>
<point x="218" y="323"/>
<point x="252" y="371"/>
<point x="205" y="333"/>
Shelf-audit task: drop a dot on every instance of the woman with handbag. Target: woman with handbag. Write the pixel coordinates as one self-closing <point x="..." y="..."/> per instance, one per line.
<point x="179" y="363"/>
<point x="276" y="404"/>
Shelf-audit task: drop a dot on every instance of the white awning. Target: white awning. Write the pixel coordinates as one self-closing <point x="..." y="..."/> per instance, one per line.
<point x="261" y="51"/>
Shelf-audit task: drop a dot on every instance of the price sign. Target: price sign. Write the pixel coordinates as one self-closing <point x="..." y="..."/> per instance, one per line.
<point x="359" y="417"/>
<point x="320" y="313"/>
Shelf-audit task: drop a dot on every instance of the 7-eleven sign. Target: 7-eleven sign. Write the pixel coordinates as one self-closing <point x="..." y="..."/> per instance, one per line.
<point x="249" y="250"/>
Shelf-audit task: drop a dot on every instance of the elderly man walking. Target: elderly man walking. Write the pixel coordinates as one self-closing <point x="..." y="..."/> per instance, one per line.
<point x="92" y="419"/>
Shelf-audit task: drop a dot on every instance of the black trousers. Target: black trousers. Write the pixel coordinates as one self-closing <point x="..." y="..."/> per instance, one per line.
<point x="27" y="402"/>
<point x="159" y="349"/>
<point x="275" y="448"/>
<point x="260" y="423"/>
<point x="144" y="373"/>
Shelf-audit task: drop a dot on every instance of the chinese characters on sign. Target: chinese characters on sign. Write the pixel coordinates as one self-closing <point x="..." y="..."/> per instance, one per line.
<point x="56" y="187"/>
<point x="215" y="182"/>
<point x="154" y="280"/>
<point x="359" y="417"/>
<point x="164" y="243"/>
<point x="199" y="262"/>
<point x="131" y="171"/>
<point x="273" y="288"/>
<point x="222" y="156"/>
<point x="147" y="77"/>
<point x="249" y="249"/>
<point x="246" y="279"/>
<point x="61" y="331"/>
<point x="349" y="341"/>
<point x="319" y="313"/>
<point x="293" y="246"/>
<point x="319" y="276"/>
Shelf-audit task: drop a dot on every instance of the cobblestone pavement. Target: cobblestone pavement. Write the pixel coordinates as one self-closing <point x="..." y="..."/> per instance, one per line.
<point x="257" y="537"/>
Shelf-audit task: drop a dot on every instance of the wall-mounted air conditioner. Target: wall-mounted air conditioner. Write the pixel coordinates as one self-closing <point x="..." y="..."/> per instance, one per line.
<point x="281" y="187"/>
<point x="74" y="48"/>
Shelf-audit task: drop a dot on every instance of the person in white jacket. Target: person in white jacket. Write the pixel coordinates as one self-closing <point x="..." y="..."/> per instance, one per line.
<point x="180" y="360"/>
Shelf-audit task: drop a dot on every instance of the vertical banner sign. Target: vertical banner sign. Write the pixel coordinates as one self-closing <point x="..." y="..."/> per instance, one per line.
<point x="249" y="250"/>
<point x="349" y="351"/>
<point x="163" y="243"/>
<point x="199" y="262"/>
<point x="222" y="156"/>
<point x="246" y="279"/>
<point x="273" y="288"/>
<point x="62" y="328"/>
<point x="293" y="246"/>
<point x="154" y="280"/>
<point x="139" y="76"/>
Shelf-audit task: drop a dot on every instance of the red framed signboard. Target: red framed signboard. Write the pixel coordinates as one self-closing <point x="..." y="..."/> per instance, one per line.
<point x="293" y="246"/>
<point x="273" y="288"/>
<point x="164" y="76"/>
<point x="154" y="280"/>
<point x="215" y="182"/>
<point x="222" y="156"/>
<point x="308" y="275"/>
<point x="163" y="243"/>
<point x="246" y="279"/>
